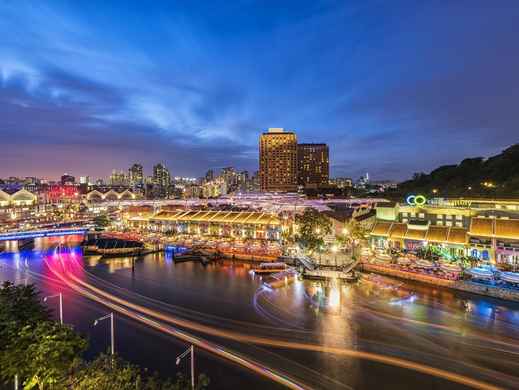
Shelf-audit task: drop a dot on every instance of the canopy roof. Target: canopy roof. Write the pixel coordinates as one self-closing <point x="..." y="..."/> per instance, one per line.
<point x="239" y="217"/>
<point x="434" y="234"/>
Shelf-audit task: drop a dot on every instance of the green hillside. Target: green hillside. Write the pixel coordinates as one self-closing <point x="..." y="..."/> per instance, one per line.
<point x="497" y="176"/>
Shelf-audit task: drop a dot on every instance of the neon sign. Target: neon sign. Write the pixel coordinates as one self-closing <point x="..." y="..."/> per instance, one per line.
<point x="416" y="200"/>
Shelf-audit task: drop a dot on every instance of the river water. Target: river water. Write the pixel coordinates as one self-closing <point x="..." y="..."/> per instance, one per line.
<point x="464" y="334"/>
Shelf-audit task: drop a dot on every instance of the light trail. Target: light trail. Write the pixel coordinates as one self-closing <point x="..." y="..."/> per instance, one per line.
<point x="201" y="343"/>
<point x="123" y="308"/>
<point x="428" y="370"/>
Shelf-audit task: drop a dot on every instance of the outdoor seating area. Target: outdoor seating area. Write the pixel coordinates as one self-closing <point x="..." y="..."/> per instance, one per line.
<point x="410" y="262"/>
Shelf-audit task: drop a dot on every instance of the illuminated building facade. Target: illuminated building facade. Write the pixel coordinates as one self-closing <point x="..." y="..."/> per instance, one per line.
<point x="278" y="161"/>
<point x="313" y="165"/>
<point x="480" y="228"/>
<point x="231" y="224"/>
<point x="136" y="176"/>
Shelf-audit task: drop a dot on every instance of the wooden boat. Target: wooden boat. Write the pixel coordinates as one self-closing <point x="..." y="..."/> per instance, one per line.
<point x="480" y="273"/>
<point x="269" y="268"/>
<point x="509" y="277"/>
<point x="450" y="267"/>
<point x="403" y="261"/>
<point x="424" y="264"/>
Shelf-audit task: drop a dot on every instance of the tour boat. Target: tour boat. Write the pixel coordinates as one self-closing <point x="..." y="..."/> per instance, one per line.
<point x="383" y="256"/>
<point x="425" y="264"/>
<point x="510" y="277"/>
<point x="403" y="261"/>
<point x="449" y="267"/>
<point x="269" y="268"/>
<point x="480" y="273"/>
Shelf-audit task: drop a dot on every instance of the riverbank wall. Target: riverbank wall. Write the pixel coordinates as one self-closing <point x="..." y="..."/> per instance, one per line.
<point x="459" y="285"/>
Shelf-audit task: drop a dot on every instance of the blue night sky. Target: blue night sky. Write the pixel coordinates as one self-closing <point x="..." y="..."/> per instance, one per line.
<point x="393" y="87"/>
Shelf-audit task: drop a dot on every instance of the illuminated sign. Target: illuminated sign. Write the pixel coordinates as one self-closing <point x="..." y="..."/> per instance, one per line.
<point x="416" y="200"/>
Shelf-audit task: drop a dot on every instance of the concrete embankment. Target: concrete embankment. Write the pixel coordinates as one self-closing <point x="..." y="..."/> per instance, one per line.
<point x="460" y="285"/>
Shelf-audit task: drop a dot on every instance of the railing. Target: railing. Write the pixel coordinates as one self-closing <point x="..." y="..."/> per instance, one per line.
<point x="40" y="233"/>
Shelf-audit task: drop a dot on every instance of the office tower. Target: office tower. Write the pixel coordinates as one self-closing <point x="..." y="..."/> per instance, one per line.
<point x="118" y="178"/>
<point x="67" y="179"/>
<point x="313" y="165"/>
<point x="209" y="175"/>
<point x="161" y="181"/>
<point x="136" y="176"/>
<point x="278" y="160"/>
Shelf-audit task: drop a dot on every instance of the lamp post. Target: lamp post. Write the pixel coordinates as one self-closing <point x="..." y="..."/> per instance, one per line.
<point x="60" y="295"/>
<point x="191" y="351"/>
<point x="112" y="341"/>
<point x="334" y="250"/>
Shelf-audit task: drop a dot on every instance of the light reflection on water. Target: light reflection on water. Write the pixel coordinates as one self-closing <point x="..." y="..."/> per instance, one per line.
<point x="378" y="313"/>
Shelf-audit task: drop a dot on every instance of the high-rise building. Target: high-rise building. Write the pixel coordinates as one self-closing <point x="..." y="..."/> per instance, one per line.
<point x="136" y="176"/>
<point x="278" y="160"/>
<point x="67" y="179"/>
<point x="313" y="165"/>
<point x="118" y="179"/>
<point x="84" y="180"/>
<point x="161" y="181"/>
<point x="209" y="175"/>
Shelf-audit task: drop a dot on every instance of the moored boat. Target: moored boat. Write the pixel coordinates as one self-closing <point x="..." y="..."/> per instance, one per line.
<point x="269" y="268"/>
<point x="424" y="264"/>
<point x="509" y="277"/>
<point x="480" y="273"/>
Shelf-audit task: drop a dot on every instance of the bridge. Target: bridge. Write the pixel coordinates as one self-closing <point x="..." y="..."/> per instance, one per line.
<point x="23" y="235"/>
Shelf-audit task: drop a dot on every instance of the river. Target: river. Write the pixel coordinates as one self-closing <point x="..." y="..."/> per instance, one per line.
<point x="464" y="334"/>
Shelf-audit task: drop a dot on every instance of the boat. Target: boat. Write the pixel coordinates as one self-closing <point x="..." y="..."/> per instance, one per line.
<point x="425" y="264"/>
<point x="280" y="279"/>
<point x="509" y="277"/>
<point x="450" y="267"/>
<point x="403" y="261"/>
<point x="480" y="273"/>
<point x="269" y="268"/>
<point x="383" y="256"/>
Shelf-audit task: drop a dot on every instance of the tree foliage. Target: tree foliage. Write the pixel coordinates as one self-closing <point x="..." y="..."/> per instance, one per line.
<point x="312" y="227"/>
<point x="47" y="355"/>
<point x="468" y="178"/>
<point x="102" y="221"/>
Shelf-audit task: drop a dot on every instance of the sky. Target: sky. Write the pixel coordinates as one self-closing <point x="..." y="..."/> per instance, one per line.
<point x="393" y="87"/>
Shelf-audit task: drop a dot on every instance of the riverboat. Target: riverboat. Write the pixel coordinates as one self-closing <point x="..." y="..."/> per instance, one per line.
<point x="424" y="264"/>
<point x="269" y="268"/>
<point x="480" y="273"/>
<point x="509" y="277"/>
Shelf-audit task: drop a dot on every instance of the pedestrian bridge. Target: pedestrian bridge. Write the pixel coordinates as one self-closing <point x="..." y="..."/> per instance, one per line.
<point x="23" y="235"/>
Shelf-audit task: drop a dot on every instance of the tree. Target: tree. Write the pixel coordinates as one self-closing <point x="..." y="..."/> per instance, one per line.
<point x="41" y="352"/>
<point x="107" y="372"/>
<point x="45" y="354"/>
<point x="48" y="353"/>
<point x="312" y="227"/>
<point x="102" y="221"/>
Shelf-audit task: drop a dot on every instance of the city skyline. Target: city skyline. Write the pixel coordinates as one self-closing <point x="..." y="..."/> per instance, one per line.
<point x="86" y="87"/>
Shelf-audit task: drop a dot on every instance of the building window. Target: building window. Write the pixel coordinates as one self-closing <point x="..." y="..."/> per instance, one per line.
<point x="421" y="215"/>
<point x="404" y="220"/>
<point x="448" y="223"/>
<point x="404" y="214"/>
<point x="439" y="216"/>
<point x="439" y="223"/>
<point x="459" y="224"/>
<point x="448" y="216"/>
<point x="459" y="217"/>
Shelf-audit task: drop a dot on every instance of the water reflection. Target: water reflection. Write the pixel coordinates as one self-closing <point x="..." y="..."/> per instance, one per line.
<point x="378" y="314"/>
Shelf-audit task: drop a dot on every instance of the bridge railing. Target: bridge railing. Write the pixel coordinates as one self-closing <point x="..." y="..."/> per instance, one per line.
<point x="20" y="235"/>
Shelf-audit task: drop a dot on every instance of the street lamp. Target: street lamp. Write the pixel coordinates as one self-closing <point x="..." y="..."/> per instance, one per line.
<point x="191" y="351"/>
<point x="60" y="295"/>
<point x="334" y="250"/>
<point x="111" y="316"/>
